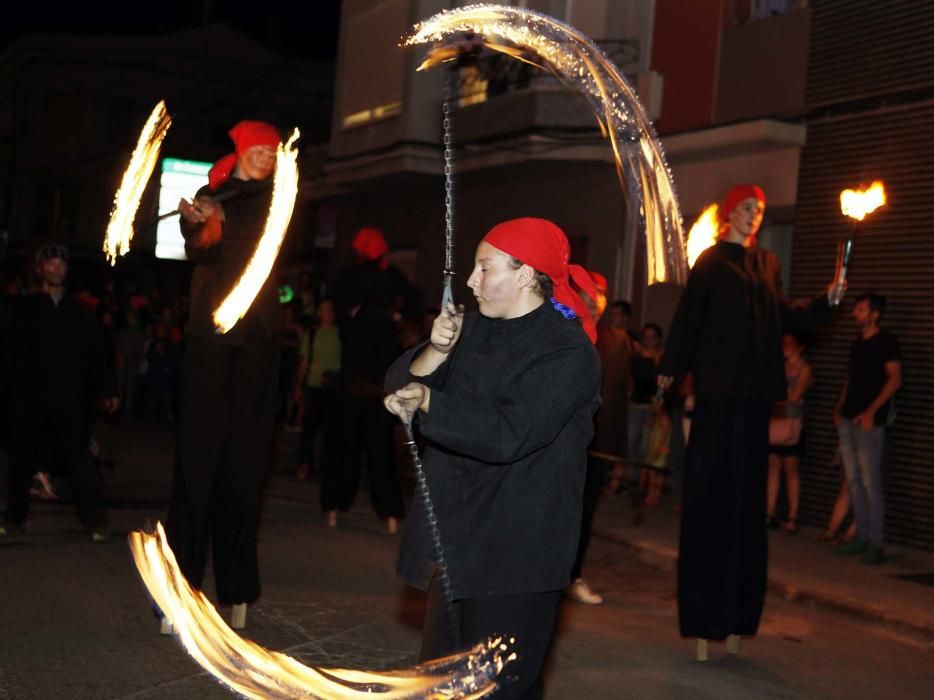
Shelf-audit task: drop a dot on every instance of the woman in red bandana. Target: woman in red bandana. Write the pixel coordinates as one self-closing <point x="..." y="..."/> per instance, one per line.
<point x="229" y="385"/>
<point x="727" y="332"/>
<point x="505" y="398"/>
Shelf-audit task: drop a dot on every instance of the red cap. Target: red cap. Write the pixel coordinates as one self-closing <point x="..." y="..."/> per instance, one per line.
<point x="370" y="243"/>
<point x="737" y="195"/>
<point x="245" y="135"/>
<point x="599" y="281"/>
<point x="542" y="245"/>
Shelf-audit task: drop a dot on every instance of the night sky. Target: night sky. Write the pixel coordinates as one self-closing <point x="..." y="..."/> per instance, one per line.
<point x="306" y="29"/>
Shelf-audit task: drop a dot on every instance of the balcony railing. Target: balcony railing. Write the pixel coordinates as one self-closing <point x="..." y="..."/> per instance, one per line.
<point x="492" y="74"/>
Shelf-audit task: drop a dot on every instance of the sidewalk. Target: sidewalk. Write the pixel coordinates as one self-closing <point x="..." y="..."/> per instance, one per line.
<point x="801" y="568"/>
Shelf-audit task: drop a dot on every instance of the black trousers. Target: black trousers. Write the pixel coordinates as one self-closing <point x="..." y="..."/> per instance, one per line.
<point x="362" y="429"/>
<point x="28" y="435"/>
<point x="528" y="617"/>
<point x="596" y="471"/>
<point x="224" y="446"/>
<point x="723" y="553"/>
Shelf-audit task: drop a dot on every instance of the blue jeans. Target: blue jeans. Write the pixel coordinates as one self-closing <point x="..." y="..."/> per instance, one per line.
<point x="861" y="452"/>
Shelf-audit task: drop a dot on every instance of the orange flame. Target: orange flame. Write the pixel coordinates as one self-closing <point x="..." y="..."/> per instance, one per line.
<point x="126" y="201"/>
<point x="703" y="233"/>
<point x="858" y="204"/>
<point x="254" y="672"/>
<point x="285" y="189"/>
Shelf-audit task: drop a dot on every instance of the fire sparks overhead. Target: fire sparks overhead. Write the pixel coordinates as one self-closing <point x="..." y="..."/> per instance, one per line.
<point x="285" y="189"/>
<point x="857" y="204"/>
<point x="545" y="42"/>
<point x="254" y="672"/>
<point x="703" y="233"/>
<point x="126" y="201"/>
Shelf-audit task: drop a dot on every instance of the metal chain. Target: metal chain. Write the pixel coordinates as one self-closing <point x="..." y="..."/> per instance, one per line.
<point x="448" y="142"/>
<point x="433" y="530"/>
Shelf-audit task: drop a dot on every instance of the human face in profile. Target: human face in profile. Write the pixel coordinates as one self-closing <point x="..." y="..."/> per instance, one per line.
<point x="257" y="162"/>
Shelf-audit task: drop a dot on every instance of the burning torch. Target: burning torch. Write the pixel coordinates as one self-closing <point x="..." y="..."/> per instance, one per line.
<point x="856" y="204"/>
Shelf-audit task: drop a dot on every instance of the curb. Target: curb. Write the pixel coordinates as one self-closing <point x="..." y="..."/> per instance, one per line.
<point x="665" y="558"/>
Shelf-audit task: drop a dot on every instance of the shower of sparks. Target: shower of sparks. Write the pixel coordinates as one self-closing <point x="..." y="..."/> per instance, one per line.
<point x="254" y="275"/>
<point x="126" y="201"/>
<point x="703" y="233"/>
<point x="547" y="43"/>
<point x="254" y="672"/>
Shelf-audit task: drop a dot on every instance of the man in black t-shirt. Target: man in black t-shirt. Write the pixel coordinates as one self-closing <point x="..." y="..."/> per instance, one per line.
<point x="862" y="412"/>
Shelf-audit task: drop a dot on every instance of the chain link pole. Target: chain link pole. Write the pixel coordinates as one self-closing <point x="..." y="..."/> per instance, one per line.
<point x="447" y="294"/>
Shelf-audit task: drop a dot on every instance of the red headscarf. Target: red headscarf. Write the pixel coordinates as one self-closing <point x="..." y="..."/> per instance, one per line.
<point x="245" y="135"/>
<point x="371" y="245"/>
<point x="543" y="246"/>
<point x="737" y="195"/>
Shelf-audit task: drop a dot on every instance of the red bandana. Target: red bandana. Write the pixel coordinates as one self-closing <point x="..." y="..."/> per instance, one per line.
<point x="737" y="195"/>
<point x="543" y="246"/>
<point x="245" y="135"/>
<point x="370" y="245"/>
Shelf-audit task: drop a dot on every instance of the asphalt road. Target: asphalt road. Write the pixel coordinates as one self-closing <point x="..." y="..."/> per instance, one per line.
<point x="75" y="620"/>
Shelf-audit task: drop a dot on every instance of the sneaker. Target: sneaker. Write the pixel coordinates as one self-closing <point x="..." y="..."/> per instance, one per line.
<point x="873" y="555"/>
<point x="855" y="547"/>
<point x="580" y="591"/>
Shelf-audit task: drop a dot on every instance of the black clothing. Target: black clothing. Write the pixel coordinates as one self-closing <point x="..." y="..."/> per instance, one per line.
<point x="371" y="284"/>
<point x="54" y="354"/>
<point x="364" y="429"/>
<point x="224" y="441"/>
<point x="227" y="408"/>
<point x="529" y="617"/>
<point x="723" y="553"/>
<point x="866" y="374"/>
<point x="644" y="379"/>
<point x="596" y="475"/>
<point x="728" y="326"/>
<point x="510" y="419"/>
<point x="219" y="266"/>
<point x="727" y="331"/>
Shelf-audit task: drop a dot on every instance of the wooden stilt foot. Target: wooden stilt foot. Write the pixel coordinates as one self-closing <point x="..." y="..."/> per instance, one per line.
<point x="238" y="616"/>
<point x="733" y="644"/>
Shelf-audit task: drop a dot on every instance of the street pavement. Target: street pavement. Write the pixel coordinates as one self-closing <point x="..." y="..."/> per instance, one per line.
<point x="75" y="620"/>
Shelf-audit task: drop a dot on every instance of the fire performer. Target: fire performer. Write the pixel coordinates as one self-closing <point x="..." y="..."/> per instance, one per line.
<point x="727" y="331"/>
<point x="505" y="398"/>
<point x="229" y="388"/>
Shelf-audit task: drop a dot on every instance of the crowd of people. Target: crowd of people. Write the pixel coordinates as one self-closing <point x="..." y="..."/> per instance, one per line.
<point x="527" y="410"/>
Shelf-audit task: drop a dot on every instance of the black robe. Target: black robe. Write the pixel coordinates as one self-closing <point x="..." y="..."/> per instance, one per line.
<point x="510" y="419"/>
<point x="727" y="331"/>
<point x="227" y="411"/>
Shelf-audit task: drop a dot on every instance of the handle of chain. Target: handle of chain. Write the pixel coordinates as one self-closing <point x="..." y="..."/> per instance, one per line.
<point x="433" y="530"/>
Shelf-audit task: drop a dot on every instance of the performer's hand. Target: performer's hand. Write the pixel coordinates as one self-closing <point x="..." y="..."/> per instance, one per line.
<point x="407" y="400"/>
<point x="836" y="291"/>
<point x="664" y="382"/>
<point x="446" y="329"/>
<point x="188" y="211"/>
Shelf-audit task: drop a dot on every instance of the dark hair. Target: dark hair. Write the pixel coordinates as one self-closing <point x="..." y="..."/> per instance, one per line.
<point x="655" y="327"/>
<point x="876" y="302"/>
<point x="623" y="306"/>
<point x="801" y="337"/>
<point x="543" y="284"/>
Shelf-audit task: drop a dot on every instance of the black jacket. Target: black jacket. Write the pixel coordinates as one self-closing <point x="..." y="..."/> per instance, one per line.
<point x="219" y="266"/>
<point x="728" y="326"/>
<point x="510" y="419"/>
<point x="55" y="355"/>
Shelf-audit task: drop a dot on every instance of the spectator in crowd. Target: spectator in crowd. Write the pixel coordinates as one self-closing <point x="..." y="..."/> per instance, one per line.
<point x="317" y="390"/>
<point x="786" y="432"/>
<point x="54" y="353"/>
<point x="862" y="412"/>
<point x="609" y="443"/>
<point x="647" y="425"/>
